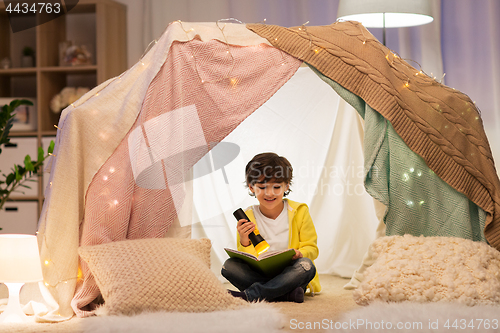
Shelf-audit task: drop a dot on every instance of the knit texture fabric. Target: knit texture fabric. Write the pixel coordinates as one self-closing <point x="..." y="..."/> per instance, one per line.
<point x="157" y="274"/>
<point x="439" y="123"/>
<point x="201" y="93"/>
<point x="89" y="132"/>
<point x="431" y="269"/>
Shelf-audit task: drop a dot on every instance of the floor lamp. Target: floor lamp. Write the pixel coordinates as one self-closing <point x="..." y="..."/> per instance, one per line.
<point x="386" y="13"/>
<point x="19" y="264"/>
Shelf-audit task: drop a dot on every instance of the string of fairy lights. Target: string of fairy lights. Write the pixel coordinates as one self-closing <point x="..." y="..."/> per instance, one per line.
<point x="47" y="262"/>
<point x="419" y="77"/>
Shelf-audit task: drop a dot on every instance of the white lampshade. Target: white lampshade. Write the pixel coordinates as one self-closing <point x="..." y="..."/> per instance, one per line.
<point x="19" y="259"/>
<point x="398" y="13"/>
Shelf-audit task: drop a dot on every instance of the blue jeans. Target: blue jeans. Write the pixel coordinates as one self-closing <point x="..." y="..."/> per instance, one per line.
<point x="259" y="287"/>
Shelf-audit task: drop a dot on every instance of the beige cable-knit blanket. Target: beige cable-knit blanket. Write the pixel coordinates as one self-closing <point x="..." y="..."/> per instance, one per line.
<point x="439" y="123"/>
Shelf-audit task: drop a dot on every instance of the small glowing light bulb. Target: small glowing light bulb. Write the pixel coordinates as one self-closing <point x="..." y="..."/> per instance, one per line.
<point x="46" y="262"/>
<point x="316" y="51"/>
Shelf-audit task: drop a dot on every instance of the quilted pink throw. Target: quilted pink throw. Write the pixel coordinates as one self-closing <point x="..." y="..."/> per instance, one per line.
<point x="201" y="93"/>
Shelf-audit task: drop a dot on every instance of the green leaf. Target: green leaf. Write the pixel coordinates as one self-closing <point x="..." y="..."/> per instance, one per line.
<point x="7" y="118"/>
<point x="40" y="154"/>
<point x="17" y="173"/>
<point x="10" y="178"/>
<point x="15" y="103"/>
<point x="4" y="134"/>
<point x="51" y="147"/>
<point x="28" y="164"/>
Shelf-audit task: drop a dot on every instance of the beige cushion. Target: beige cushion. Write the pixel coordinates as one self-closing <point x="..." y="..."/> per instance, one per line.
<point x="431" y="269"/>
<point x="157" y="274"/>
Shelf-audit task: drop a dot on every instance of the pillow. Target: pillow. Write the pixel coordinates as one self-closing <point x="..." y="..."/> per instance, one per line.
<point x="431" y="269"/>
<point x="167" y="274"/>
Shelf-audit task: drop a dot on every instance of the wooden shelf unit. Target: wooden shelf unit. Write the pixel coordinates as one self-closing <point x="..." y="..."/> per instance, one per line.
<point x="98" y="24"/>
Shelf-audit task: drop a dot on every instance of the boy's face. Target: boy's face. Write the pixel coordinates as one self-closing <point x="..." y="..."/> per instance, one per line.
<point x="270" y="195"/>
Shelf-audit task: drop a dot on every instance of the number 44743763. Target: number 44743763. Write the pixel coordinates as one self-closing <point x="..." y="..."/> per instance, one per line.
<point x="33" y="8"/>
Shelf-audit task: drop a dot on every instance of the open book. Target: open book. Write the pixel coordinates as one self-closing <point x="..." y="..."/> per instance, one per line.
<point x="268" y="263"/>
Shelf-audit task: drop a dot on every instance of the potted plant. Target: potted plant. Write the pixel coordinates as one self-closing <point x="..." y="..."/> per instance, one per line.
<point x="20" y="174"/>
<point x="28" y="58"/>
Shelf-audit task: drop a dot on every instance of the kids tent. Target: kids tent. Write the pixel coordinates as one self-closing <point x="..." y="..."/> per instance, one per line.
<point x="160" y="150"/>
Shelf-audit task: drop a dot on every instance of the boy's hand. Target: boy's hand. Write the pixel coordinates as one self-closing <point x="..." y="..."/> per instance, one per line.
<point x="244" y="228"/>
<point x="297" y="255"/>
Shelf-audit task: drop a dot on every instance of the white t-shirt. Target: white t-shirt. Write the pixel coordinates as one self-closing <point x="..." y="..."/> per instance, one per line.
<point x="275" y="232"/>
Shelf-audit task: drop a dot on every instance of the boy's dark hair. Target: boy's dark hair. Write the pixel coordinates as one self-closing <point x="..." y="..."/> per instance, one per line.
<point x="267" y="167"/>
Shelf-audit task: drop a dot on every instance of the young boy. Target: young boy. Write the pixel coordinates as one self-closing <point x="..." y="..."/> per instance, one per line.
<point x="284" y="224"/>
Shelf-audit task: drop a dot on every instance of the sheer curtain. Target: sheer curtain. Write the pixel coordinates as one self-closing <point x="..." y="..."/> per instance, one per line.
<point x="471" y="58"/>
<point x="462" y="42"/>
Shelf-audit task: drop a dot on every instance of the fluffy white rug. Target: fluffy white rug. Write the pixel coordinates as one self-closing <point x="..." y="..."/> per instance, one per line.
<point x="258" y="317"/>
<point x="431" y="269"/>
<point x="420" y="317"/>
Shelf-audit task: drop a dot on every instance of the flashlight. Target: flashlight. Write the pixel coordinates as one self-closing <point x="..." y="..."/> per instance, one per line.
<point x="256" y="238"/>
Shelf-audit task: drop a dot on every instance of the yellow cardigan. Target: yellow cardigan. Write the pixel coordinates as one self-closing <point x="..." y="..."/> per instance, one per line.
<point x="301" y="236"/>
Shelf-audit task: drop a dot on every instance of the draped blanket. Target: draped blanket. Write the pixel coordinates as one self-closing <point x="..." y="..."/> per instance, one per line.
<point x="439" y="123"/>
<point x="124" y="151"/>
<point x="202" y="92"/>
